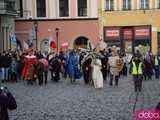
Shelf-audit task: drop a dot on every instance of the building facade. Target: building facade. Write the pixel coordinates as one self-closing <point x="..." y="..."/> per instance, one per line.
<point x="9" y="9"/>
<point x="131" y="24"/>
<point x="71" y="21"/>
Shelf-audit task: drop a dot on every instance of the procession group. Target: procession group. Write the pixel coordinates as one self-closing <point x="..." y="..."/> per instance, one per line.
<point x="91" y="65"/>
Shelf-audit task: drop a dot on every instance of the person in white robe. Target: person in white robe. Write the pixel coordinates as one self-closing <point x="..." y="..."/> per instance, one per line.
<point x="97" y="74"/>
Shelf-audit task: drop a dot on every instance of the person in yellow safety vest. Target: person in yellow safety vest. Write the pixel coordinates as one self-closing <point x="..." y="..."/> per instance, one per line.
<point x="137" y="72"/>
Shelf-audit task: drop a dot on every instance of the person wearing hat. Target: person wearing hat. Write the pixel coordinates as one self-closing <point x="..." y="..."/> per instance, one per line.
<point x="28" y="70"/>
<point x="137" y="73"/>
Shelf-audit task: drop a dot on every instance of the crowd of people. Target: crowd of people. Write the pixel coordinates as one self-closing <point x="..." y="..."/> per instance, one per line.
<point x="94" y="66"/>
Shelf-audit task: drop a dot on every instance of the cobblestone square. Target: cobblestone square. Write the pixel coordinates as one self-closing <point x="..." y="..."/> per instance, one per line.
<point x="65" y="101"/>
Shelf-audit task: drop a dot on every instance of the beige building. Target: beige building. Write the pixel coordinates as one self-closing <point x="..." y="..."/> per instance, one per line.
<point x="131" y="24"/>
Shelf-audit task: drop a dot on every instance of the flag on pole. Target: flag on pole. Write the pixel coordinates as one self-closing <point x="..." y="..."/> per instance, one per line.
<point x="30" y="43"/>
<point x="25" y="45"/>
<point x="19" y="45"/>
<point x="15" y="41"/>
<point x="13" y="38"/>
<point x="30" y="38"/>
<point x="52" y="42"/>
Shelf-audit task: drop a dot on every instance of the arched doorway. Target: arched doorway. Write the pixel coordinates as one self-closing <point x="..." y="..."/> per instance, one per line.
<point x="45" y="46"/>
<point x="81" y="41"/>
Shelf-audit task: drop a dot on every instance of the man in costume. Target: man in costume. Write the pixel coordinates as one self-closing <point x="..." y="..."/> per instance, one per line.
<point x="114" y="73"/>
<point x="54" y="65"/>
<point x="85" y="65"/>
<point x="28" y="70"/>
<point x="73" y="66"/>
<point x="104" y="62"/>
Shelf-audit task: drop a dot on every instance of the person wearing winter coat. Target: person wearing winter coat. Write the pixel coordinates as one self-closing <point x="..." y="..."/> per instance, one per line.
<point x="5" y="64"/>
<point x="7" y="101"/>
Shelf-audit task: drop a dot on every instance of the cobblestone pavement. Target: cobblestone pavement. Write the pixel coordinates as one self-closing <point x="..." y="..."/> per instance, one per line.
<point x="65" y="101"/>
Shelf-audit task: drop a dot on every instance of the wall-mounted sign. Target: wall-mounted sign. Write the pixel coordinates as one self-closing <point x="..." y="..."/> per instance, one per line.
<point x="112" y="33"/>
<point x="142" y="32"/>
<point x="127" y="34"/>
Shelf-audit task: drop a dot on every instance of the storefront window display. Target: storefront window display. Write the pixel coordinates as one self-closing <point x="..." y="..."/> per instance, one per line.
<point x="128" y="46"/>
<point x="112" y="36"/>
<point x="142" y="39"/>
<point x="143" y="46"/>
<point x="129" y="38"/>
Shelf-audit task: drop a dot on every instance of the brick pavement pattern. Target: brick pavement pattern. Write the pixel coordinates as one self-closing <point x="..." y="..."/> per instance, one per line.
<point x="65" y="101"/>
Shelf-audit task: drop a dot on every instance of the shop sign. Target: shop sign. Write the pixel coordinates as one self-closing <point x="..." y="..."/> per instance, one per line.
<point x="142" y="33"/>
<point x="112" y="33"/>
<point x="127" y="33"/>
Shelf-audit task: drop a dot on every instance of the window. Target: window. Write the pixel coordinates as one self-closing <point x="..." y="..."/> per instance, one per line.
<point x="21" y="8"/>
<point x="41" y="8"/>
<point x="63" y="8"/>
<point x="82" y="7"/>
<point x="126" y="4"/>
<point x="109" y="5"/>
<point x="144" y="4"/>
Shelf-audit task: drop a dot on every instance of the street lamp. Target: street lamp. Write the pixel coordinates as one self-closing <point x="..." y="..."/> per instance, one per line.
<point x="36" y="31"/>
<point x="57" y="37"/>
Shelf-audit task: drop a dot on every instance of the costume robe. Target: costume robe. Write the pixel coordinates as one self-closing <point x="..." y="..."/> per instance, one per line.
<point x="28" y="70"/>
<point x="97" y="74"/>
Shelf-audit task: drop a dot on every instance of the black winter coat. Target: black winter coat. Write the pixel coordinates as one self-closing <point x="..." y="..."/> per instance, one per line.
<point x="6" y="102"/>
<point x="5" y="61"/>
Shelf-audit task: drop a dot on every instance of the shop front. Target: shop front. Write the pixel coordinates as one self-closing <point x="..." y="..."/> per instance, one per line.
<point x="112" y="36"/>
<point x="129" y="38"/>
<point x="142" y="38"/>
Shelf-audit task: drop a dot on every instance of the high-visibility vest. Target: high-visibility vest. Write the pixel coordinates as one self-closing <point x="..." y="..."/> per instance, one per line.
<point x="136" y="71"/>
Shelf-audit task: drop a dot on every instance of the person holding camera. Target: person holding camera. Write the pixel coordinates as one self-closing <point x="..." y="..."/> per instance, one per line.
<point x="7" y="101"/>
